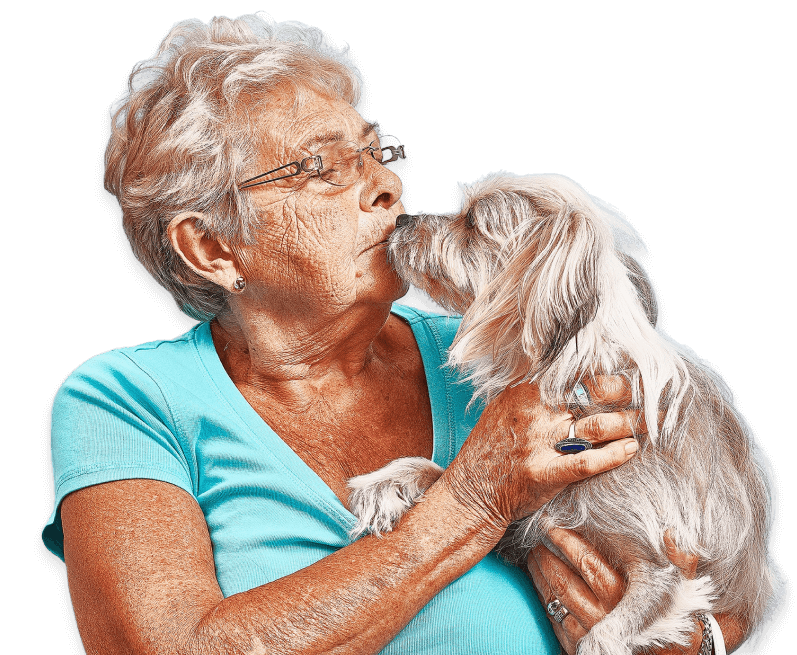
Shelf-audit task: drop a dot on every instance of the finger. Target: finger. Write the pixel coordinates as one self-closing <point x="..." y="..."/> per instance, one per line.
<point x="605" y="583"/>
<point x="566" y="469"/>
<point x="541" y="585"/>
<point x="570" y="630"/>
<point x="603" y="427"/>
<point x="609" y="390"/>
<point x="568" y="633"/>
<point x="684" y="561"/>
<point x="567" y="642"/>
<point x="569" y="588"/>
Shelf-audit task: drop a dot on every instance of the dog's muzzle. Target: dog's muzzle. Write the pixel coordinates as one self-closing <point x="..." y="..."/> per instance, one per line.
<point x="404" y="219"/>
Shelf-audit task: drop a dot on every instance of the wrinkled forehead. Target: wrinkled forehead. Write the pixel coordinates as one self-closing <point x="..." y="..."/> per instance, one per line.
<point x="294" y="122"/>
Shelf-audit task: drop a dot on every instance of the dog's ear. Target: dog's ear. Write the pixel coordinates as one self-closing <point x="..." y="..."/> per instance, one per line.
<point x="644" y="288"/>
<point x="558" y="267"/>
<point x="563" y="302"/>
<point x="547" y="288"/>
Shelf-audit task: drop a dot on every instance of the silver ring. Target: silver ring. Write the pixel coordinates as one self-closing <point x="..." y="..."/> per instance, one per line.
<point x="578" y="400"/>
<point x="572" y="444"/>
<point x="556" y="610"/>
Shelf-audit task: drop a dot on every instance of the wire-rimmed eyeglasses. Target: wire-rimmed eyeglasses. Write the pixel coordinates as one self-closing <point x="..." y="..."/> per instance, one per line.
<point x="338" y="163"/>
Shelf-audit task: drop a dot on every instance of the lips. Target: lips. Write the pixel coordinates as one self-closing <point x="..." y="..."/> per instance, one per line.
<point x="382" y="242"/>
<point x="376" y="245"/>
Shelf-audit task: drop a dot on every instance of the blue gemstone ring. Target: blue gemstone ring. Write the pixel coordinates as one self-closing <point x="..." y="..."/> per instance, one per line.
<point x="572" y="444"/>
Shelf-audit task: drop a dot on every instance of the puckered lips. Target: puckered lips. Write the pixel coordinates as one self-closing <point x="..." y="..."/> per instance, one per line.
<point x="377" y="244"/>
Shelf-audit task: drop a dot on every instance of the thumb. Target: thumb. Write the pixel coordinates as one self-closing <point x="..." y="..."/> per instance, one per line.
<point x="683" y="560"/>
<point x="572" y="468"/>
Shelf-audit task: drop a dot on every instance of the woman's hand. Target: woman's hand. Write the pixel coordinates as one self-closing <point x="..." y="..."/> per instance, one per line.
<point x="508" y="467"/>
<point x="589" y="588"/>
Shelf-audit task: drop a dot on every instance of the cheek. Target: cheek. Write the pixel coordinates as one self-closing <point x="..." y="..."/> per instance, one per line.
<point x="337" y="232"/>
<point x="308" y="246"/>
<point x="328" y="234"/>
<point x="338" y="211"/>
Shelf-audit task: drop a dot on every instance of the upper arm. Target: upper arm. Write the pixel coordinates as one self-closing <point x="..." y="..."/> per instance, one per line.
<point x="140" y="566"/>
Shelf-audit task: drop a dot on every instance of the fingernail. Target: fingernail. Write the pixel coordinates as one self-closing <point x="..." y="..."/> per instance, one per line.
<point x="631" y="447"/>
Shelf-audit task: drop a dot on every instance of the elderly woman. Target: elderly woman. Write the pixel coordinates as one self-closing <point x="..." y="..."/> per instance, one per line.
<point x="201" y="482"/>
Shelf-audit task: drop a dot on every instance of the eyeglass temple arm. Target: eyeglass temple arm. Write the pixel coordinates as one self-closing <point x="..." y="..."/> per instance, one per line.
<point x="297" y="168"/>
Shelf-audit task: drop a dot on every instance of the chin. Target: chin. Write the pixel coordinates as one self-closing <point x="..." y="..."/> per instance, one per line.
<point x="383" y="291"/>
<point x="380" y="283"/>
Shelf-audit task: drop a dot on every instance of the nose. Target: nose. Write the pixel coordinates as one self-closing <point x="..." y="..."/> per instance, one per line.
<point x="382" y="189"/>
<point x="404" y="219"/>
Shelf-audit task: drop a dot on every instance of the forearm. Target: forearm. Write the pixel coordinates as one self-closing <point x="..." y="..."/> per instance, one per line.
<point x="357" y="599"/>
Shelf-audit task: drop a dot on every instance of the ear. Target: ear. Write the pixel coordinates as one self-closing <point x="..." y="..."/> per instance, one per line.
<point x="206" y="256"/>
<point x="558" y="262"/>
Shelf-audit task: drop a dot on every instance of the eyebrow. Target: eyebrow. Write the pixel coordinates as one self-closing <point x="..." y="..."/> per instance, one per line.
<point x="337" y="135"/>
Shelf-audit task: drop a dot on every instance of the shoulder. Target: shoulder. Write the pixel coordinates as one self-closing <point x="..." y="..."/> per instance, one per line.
<point x="133" y="366"/>
<point x="116" y="417"/>
<point x="125" y="386"/>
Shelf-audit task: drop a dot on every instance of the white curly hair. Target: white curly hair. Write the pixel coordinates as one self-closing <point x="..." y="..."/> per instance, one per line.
<point x="182" y="135"/>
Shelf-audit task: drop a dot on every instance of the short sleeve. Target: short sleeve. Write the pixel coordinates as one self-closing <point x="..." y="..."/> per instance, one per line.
<point x="111" y="422"/>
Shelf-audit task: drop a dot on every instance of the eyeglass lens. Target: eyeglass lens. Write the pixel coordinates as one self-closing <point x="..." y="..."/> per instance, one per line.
<point x="342" y="162"/>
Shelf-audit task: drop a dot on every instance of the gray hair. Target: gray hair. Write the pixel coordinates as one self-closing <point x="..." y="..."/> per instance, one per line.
<point x="180" y="140"/>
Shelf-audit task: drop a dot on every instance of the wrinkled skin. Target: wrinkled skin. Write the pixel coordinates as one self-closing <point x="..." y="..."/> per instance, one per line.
<point x="308" y="344"/>
<point x="589" y="588"/>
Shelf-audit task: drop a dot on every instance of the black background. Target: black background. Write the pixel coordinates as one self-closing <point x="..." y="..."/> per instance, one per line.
<point x="672" y="127"/>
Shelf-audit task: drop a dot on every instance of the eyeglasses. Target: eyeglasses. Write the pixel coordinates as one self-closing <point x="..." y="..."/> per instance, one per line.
<point x="339" y="163"/>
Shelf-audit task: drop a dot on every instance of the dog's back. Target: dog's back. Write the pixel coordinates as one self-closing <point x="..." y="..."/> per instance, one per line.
<point x="548" y="295"/>
<point x="703" y="484"/>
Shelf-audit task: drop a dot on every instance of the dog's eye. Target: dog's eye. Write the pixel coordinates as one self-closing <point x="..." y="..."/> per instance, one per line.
<point x="469" y="219"/>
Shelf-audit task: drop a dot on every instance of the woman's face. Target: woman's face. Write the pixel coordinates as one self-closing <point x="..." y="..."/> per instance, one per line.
<point x="321" y="247"/>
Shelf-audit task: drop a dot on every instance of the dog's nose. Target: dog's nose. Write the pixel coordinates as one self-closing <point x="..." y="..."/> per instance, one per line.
<point x="404" y="219"/>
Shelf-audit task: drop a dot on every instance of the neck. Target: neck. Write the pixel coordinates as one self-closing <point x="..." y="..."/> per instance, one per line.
<point x="290" y="354"/>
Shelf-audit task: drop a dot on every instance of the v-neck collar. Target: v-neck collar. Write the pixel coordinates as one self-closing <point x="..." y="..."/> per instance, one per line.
<point x="294" y="465"/>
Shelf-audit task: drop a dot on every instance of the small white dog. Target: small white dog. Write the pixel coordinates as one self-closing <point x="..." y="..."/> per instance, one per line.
<point x="536" y="268"/>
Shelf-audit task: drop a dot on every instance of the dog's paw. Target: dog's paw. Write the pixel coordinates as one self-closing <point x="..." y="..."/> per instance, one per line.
<point x="380" y="498"/>
<point x="603" y="640"/>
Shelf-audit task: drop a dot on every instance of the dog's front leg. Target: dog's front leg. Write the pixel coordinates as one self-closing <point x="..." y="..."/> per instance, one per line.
<point x="380" y="498"/>
<point x="657" y="609"/>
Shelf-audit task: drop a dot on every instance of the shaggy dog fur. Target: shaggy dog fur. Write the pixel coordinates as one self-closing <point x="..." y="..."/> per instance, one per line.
<point x="537" y="269"/>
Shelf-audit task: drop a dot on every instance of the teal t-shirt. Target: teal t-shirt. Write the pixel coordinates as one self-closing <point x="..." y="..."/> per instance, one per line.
<point x="167" y="410"/>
